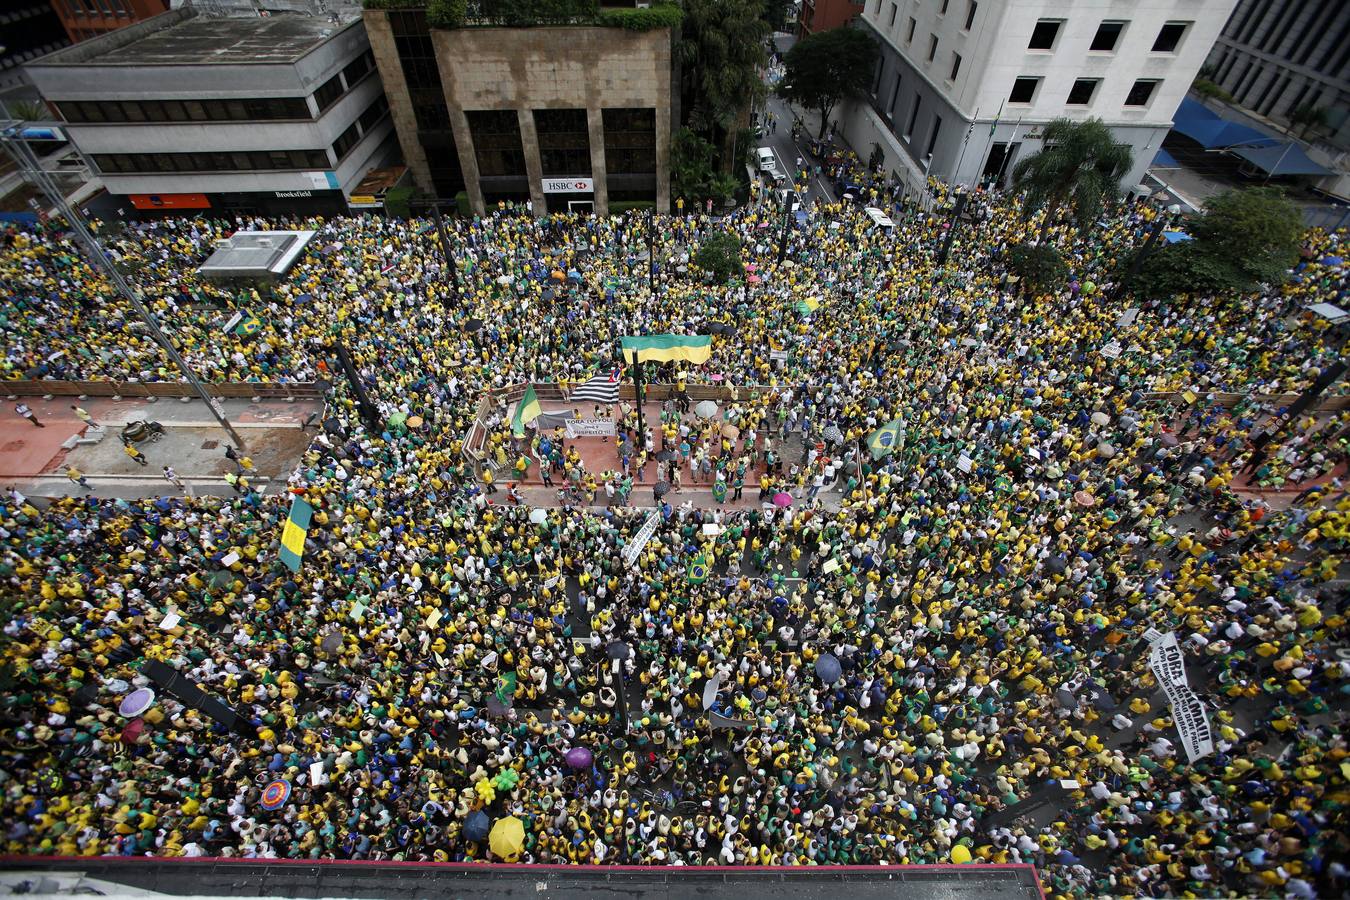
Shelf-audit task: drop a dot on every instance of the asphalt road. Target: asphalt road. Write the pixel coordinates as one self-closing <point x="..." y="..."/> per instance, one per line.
<point x="785" y="149"/>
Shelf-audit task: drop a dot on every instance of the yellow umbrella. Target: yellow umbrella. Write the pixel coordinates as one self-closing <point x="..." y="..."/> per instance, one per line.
<point x="507" y="838"/>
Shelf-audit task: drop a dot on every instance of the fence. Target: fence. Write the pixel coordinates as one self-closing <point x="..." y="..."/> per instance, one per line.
<point x="161" y="389"/>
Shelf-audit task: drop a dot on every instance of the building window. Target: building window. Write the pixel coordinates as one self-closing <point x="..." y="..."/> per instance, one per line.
<point x="1141" y="92"/>
<point x="1169" y="36"/>
<point x="932" y="46"/>
<point x="1023" y="90"/>
<point x="358" y="69"/>
<point x="971" y="8"/>
<point x="943" y="10"/>
<point x="496" y="142"/>
<point x="346" y="141"/>
<point x="564" y="141"/>
<point x="267" y="108"/>
<point x="891" y="23"/>
<point x="1044" y="34"/>
<point x="933" y="136"/>
<point x="876" y="78"/>
<point x="374" y="113"/>
<point x="1081" y="92"/>
<point x="219" y="161"/>
<point x="913" y="116"/>
<point x="895" y="95"/>
<point x="956" y="65"/>
<point x="630" y="141"/>
<point x="909" y="37"/>
<point x="328" y="93"/>
<point x="1108" y="33"/>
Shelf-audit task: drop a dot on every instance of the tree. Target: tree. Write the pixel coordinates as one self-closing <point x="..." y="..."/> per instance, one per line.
<point x="1079" y="165"/>
<point x="1244" y="238"/>
<point x="719" y="254"/>
<point x="1309" y="117"/>
<point x="30" y="110"/>
<point x="828" y="67"/>
<point x="692" y="173"/>
<point x="723" y="53"/>
<point x="1040" y="268"/>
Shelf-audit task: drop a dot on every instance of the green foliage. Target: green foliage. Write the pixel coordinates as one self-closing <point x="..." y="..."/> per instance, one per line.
<point x="462" y="205"/>
<point x="722" y="51"/>
<point x="396" y="202"/>
<point x="1243" y="239"/>
<point x="719" y="254"/>
<point x="659" y="15"/>
<point x="1080" y="165"/>
<point x="395" y="4"/>
<point x="826" y="68"/>
<point x="1206" y="88"/>
<point x="622" y="206"/>
<point x="693" y="174"/>
<point x="447" y="13"/>
<point x="1041" y="268"/>
<point x="1309" y="117"/>
<point x="525" y="13"/>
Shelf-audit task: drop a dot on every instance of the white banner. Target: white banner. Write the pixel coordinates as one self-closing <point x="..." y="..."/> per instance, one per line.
<point x="1168" y="663"/>
<point x="590" y="428"/>
<point x="568" y="185"/>
<point x="634" y="547"/>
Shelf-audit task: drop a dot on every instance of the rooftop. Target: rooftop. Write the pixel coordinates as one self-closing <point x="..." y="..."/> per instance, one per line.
<point x="184" y="37"/>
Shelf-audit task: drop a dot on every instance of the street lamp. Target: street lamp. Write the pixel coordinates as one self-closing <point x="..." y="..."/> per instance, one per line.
<point x="28" y="164"/>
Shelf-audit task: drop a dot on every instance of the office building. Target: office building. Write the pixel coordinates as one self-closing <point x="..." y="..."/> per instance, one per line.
<point x="566" y="118"/>
<point x="189" y="111"/>
<point x="28" y="30"/>
<point x="816" y="16"/>
<point x="1275" y="56"/>
<point x="963" y="87"/>
<point x="84" y="19"/>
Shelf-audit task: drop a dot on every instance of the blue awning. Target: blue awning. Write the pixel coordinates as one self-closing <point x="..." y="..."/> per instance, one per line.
<point x="1204" y="126"/>
<point x="1176" y="237"/>
<point x="1164" y="160"/>
<point x="1282" y="159"/>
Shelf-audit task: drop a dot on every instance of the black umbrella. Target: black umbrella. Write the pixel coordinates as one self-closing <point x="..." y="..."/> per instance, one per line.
<point x="473" y="325"/>
<point x="1057" y="564"/>
<point x="661" y="488"/>
<point x="664" y="456"/>
<point x="618" y="650"/>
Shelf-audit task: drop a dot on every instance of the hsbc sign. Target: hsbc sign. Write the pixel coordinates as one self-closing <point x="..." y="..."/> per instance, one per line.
<point x="569" y="185"/>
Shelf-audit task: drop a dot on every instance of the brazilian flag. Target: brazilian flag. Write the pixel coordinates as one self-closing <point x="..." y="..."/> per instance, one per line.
<point x="885" y="439"/>
<point x="506" y="685"/>
<point x="293" y="535"/>
<point x="698" y="569"/>
<point x="243" y="323"/>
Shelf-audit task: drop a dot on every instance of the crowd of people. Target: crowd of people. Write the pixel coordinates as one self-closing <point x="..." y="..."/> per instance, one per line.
<point x="868" y="681"/>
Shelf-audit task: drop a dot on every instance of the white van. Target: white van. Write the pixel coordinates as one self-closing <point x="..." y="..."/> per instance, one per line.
<point x="879" y="219"/>
<point x="767" y="161"/>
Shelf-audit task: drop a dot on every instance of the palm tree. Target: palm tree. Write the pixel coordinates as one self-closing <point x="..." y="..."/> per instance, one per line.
<point x="1080" y="164"/>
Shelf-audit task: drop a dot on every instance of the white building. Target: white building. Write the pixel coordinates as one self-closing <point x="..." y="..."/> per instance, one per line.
<point x="193" y="112"/>
<point x="963" y="87"/>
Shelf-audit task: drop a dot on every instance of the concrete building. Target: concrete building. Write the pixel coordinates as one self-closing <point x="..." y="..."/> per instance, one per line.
<point x="187" y="111"/>
<point x="963" y="87"/>
<point x="84" y="19"/>
<point x="565" y="118"/>
<point x="822" y="15"/>
<point x="1277" y="55"/>
<point x="28" y="30"/>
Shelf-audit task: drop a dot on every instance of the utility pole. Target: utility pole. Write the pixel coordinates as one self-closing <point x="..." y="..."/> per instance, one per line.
<point x="435" y="206"/>
<point x="787" y="219"/>
<point x="1144" y="253"/>
<point x="961" y="200"/>
<point x="651" y="254"/>
<point x="32" y="169"/>
<point x="369" y="414"/>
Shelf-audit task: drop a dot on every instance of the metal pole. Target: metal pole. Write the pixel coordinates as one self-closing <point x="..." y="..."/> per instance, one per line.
<point x="651" y="251"/>
<point x="1143" y="254"/>
<point x="1287" y="148"/>
<point x="637" y="390"/>
<point x="369" y="414"/>
<point x="787" y="218"/>
<point x="27" y="161"/>
<point x="445" y="247"/>
<point x="960" y="207"/>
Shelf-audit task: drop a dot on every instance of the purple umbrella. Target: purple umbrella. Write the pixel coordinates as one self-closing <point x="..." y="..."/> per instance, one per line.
<point x="579" y="758"/>
<point x="135" y="703"/>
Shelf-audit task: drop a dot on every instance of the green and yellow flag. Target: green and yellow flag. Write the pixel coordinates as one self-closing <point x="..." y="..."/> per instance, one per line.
<point x="698" y="569"/>
<point x="242" y="323"/>
<point x="527" y="410"/>
<point x="693" y="348"/>
<point x="293" y="535"/>
<point x="886" y="439"/>
<point x="808" y="306"/>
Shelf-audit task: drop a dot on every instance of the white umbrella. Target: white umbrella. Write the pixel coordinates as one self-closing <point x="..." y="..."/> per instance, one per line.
<point x="705" y="409"/>
<point x="538" y="516"/>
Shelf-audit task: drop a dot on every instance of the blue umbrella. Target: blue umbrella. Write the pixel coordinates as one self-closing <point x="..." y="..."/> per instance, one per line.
<point x="827" y="667"/>
<point x="477" y="825"/>
<point x="1331" y="260"/>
